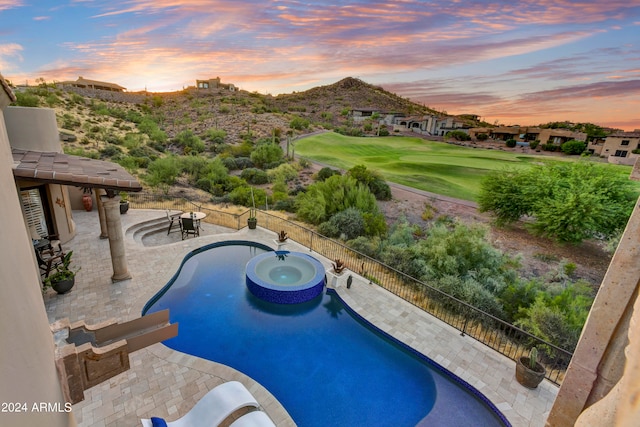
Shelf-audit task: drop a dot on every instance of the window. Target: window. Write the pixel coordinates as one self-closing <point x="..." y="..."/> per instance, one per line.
<point x="625" y="142"/>
<point x="621" y="153"/>
<point x="34" y="210"/>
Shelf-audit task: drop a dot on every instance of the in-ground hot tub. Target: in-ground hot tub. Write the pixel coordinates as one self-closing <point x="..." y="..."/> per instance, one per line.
<point x="285" y="277"/>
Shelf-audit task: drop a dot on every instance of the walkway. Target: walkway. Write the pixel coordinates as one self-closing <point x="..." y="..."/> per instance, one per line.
<point x="166" y="383"/>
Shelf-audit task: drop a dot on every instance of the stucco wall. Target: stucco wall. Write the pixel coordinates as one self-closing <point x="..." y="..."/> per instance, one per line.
<point x="33" y="129"/>
<point x="27" y="367"/>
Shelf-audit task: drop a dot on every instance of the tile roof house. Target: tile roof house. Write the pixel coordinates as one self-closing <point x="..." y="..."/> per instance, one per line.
<point x="83" y="83"/>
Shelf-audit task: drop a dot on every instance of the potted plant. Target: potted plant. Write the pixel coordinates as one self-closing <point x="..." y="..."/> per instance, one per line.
<point x="252" y="221"/>
<point x="63" y="277"/>
<point x="338" y="267"/>
<point x="87" y="200"/>
<point x="124" y="202"/>
<point x="529" y="372"/>
<point x="335" y="272"/>
<point x="282" y="236"/>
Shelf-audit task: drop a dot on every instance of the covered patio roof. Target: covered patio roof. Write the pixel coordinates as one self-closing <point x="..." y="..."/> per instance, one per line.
<point x="65" y="169"/>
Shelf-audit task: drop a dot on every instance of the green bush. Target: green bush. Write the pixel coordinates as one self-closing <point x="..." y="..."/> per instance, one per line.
<point x="570" y="201"/>
<point x="482" y="137"/>
<point x="284" y="172"/>
<point x="189" y="142"/>
<point x="323" y="199"/>
<point x="299" y="123"/>
<point x="254" y="176"/>
<point x="534" y="144"/>
<point x="27" y="99"/>
<point x="458" y="135"/>
<point x="325" y="173"/>
<point x="163" y="172"/>
<point x="347" y="224"/>
<point x="573" y="147"/>
<point x="265" y="154"/>
<point x="550" y="147"/>
<point x="511" y="143"/>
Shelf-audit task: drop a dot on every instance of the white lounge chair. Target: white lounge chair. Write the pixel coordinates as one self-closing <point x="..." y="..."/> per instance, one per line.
<point x="253" y="419"/>
<point x="214" y="407"/>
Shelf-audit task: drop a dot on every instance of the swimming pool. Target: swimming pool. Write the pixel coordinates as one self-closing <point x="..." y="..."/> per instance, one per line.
<point x="326" y="366"/>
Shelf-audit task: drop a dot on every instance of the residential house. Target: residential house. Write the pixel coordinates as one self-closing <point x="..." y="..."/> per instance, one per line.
<point x="83" y="83"/>
<point x="381" y="117"/>
<point x="214" y="84"/>
<point x="430" y="125"/>
<point x="529" y="134"/>
<point x="619" y="148"/>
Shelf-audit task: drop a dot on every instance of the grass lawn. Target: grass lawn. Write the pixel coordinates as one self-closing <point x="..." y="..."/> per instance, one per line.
<point x="437" y="167"/>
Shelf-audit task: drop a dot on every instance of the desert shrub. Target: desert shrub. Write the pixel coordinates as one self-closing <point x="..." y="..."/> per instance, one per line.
<point x="244" y="162"/>
<point x="265" y="154"/>
<point x="254" y="176"/>
<point x="569" y="268"/>
<point x="284" y="172"/>
<point x="458" y="135"/>
<point x="299" y="123"/>
<point x="287" y="205"/>
<point x="510" y="143"/>
<point x="347" y="224"/>
<point x="163" y="172"/>
<point x="383" y="131"/>
<point x="242" y="196"/>
<point x="429" y="212"/>
<point x="569" y="202"/>
<point x="216" y="136"/>
<point x="550" y="147"/>
<point x="325" y="173"/>
<point x="110" y="151"/>
<point x="373" y="180"/>
<point x="70" y="122"/>
<point x="534" y="144"/>
<point x="304" y="163"/>
<point x="27" y="99"/>
<point x="482" y="137"/>
<point x="189" y="142"/>
<point x="230" y="163"/>
<point x="573" y="147"/>
<point x="52" y="100"/>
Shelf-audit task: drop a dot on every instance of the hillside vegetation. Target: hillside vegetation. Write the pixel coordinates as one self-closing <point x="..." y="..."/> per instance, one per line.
<point x="229" y="146"/>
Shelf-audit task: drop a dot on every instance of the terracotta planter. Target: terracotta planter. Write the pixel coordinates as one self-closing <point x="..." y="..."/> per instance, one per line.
<point x="87" y="202"/>
<point x="526" y="376"/>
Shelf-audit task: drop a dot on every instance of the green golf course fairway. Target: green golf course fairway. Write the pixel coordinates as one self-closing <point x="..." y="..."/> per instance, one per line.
<point x="437" y="167"/>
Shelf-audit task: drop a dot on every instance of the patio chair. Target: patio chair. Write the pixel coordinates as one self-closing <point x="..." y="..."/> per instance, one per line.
<point x="171" y="218"/>
<point x="253" y="419"/>
<point x="189" y="226"/>
<point x="213" y="408"/>
<point x="48" y="259"/>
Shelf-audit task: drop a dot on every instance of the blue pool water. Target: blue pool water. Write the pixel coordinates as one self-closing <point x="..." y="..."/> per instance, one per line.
<point x="325" y="366"/>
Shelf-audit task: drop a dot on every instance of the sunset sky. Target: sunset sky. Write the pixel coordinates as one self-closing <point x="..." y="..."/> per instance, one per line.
<point x="512" y="61"/>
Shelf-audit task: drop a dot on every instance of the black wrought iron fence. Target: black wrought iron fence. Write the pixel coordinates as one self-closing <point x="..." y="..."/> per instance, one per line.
<point x="501" y="336"/>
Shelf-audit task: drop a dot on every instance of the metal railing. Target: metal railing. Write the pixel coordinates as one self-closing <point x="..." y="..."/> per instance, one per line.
<point x="499" y="335"/>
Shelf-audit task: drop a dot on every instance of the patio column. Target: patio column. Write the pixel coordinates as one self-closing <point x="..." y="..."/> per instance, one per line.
<point x="104" y="233"/>
<point x="116" y="238"/>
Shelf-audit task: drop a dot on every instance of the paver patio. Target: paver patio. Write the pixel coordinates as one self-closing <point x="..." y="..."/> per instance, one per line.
<point x="166" y="383"/>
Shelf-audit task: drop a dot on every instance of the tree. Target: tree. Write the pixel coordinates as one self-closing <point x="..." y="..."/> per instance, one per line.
<point x="569" y="202"/>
